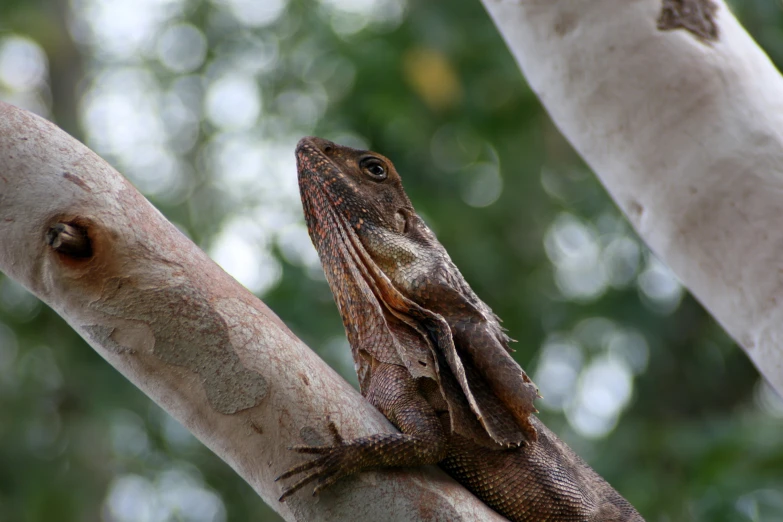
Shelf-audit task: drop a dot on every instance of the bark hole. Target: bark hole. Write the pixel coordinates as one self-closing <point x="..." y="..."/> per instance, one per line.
<point x="70" y="240"/>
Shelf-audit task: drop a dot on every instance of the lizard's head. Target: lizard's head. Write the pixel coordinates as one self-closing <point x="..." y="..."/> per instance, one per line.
<point x="362" y="186"/>
<point x="364" y="192"/>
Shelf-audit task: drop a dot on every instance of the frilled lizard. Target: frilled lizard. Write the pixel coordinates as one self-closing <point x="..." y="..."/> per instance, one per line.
<point x="430" y="355"/>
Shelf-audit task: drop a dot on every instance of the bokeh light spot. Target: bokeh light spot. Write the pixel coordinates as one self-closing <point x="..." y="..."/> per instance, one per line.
<point x="17" y="301"/>
<point x="241" y="251"/>
<point x="255" y="13"/>
<point x="182" y="48"/>
<point x="432" y="77"/>
<point x="233" y="102"/>
<point x="483" y="184"/>
<point x="557" y="372"/>
<point x="604" y="389"/>
<point x="660" y="286"/>
<point x="573" y="248"/>
<point x="176" y="494"/>
<point x="23" y="64"/>
<point x="348" y="17"/>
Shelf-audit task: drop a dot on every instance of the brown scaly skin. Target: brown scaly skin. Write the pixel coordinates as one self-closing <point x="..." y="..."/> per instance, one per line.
<point x="430" y="355"/>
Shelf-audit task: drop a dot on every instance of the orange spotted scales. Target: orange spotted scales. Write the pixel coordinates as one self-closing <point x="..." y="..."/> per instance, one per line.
<point x="430" y="355"/>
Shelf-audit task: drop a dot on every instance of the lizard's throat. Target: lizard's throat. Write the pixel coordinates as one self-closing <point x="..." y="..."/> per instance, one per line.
<point x="358" y="283"/>
<point x="342" y="251"/>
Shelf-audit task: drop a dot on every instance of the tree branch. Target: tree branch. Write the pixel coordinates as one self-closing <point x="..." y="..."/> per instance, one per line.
<point x="81" y="238"/>
<point x="680" y="114"/>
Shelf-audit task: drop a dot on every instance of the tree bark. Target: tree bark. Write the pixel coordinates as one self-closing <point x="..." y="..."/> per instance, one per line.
<point x="680" y="114"/>
<point x="81" y="238"/>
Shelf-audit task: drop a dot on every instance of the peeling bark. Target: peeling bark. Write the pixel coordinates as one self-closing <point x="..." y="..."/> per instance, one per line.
<point x="696" y="16"/>
<point x="686" y="137"/>
<point x="81" y="238"/>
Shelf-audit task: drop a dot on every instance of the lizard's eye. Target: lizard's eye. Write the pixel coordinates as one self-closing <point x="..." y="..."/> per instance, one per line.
<point x="373" y="167"/>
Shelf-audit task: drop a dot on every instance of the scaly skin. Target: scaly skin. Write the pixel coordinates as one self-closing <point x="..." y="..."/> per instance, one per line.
<point x="430" y="355"/>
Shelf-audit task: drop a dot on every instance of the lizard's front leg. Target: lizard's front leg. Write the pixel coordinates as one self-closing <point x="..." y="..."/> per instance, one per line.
<point x="422" y="441"/>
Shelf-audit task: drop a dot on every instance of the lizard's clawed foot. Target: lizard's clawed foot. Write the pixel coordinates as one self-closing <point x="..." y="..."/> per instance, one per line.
<point x="334" y="462"/>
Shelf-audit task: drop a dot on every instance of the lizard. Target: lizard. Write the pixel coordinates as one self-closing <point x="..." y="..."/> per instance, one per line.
<point x="430" y="355"/>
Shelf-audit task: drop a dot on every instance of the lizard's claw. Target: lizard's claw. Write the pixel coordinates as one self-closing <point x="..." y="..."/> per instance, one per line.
<point x="332" y="464"/>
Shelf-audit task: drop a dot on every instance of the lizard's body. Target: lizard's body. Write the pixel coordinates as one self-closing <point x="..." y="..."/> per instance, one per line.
<point x="430" y="355"/>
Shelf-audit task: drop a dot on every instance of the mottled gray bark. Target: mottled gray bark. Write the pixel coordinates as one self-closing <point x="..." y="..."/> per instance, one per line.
<point x="680" y="114"/>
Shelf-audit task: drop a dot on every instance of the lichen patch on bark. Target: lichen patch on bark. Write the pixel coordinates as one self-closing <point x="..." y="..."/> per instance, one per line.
<point x="189" y="333"/>
<point x="695" y="16"/>
<point x="102" y="335"/>
<point x="566" y="22"/>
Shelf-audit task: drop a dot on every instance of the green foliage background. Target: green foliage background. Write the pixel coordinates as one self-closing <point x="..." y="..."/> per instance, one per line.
<point x="434" y="88"/>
